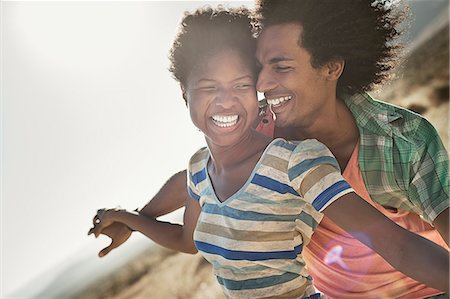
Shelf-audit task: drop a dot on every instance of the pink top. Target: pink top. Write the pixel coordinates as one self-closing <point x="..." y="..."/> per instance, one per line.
<point x="266" y="125"/>
<point x="342" y="267"/>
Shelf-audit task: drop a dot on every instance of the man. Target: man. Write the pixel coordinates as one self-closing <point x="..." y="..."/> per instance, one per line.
<point x="318" y="58"/>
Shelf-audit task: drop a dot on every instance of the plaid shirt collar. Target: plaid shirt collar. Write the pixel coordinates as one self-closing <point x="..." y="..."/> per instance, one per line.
<point x="371" y="114"/>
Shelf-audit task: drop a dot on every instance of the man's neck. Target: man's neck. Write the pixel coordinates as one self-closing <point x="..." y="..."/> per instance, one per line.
<point x="337" y="131"/>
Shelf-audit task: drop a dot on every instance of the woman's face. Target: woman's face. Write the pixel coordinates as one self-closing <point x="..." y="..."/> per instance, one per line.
<point x="221" y="98"/>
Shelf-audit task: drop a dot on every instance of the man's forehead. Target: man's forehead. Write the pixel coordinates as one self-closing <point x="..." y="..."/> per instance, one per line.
<point x="281" y="29"/>
<point x="278" y="42"/>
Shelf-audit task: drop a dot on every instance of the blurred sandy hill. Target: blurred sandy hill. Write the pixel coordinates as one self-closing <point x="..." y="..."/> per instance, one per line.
<point x="157" y="273"/>
<point x="422" y="85"/>
<point x="421" y="81"/>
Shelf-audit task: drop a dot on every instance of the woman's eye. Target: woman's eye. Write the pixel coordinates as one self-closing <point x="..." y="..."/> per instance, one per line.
<point x="244" y="86"/>
<point x="207" y="88"/>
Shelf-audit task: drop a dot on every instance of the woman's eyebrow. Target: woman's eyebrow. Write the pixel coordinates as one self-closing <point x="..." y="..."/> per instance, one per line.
<point x="243" y="77"/>
<point x="206" y="80"/>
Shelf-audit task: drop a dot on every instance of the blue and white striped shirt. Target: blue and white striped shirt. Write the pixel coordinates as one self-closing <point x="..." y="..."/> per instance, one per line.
<point x="254" y="239"/>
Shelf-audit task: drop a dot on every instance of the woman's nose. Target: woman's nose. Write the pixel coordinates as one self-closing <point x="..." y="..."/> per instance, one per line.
<point x="225" y="99"/>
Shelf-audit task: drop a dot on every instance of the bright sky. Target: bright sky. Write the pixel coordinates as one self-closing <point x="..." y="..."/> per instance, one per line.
<point x="91" y="118"/>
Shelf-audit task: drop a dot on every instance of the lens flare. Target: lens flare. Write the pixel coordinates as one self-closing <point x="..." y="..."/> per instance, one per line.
<point x="334" y="256"/>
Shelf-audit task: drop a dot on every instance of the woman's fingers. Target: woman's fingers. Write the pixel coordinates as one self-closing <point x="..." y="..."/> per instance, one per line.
<point x="98" y="216"/>
<point x="96" y="222"/>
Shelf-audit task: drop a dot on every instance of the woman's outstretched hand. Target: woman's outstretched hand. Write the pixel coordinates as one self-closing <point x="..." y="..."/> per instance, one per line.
<point x="117" y="231"/>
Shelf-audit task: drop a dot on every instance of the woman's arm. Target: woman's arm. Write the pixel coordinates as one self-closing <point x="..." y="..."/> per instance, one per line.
<point x="170" y="197"/>
<point x="409" y="253"/>
<point x="173" y="236"/>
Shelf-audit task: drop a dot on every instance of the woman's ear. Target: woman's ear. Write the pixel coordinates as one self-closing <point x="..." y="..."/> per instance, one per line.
<point x="334" y="69"/>
<point x="183" y="93"/>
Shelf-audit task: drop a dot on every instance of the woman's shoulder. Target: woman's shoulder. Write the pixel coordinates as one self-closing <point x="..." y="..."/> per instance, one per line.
<point x="197" y="160"/>
<point x="293" y="151"/>
<point x="299" y="145"/>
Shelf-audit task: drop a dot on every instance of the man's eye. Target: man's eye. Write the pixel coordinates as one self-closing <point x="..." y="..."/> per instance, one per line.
<point x="258" y="68"/>
<point x="282" y="69"/>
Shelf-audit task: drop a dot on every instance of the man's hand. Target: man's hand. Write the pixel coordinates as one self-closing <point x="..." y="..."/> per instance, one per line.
<point x="118" y="232"/>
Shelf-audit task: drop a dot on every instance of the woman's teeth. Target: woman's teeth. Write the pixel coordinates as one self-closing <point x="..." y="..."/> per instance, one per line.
<point x="225" y="121"/>
<point x="278" y="101"/>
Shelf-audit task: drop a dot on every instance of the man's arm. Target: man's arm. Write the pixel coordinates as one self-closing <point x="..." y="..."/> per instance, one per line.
<point x="429" y="184"/>
<point x="409" y="253"/>
<point x="441" y="224"/>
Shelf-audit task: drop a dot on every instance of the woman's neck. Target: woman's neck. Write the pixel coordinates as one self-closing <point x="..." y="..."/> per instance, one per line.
<point x="230" y="156"/>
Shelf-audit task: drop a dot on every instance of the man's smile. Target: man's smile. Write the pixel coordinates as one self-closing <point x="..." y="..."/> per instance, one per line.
<point x="277" y="102"/>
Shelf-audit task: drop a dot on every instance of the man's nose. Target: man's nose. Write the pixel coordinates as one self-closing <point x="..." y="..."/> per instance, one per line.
<point x="265" y="81"/>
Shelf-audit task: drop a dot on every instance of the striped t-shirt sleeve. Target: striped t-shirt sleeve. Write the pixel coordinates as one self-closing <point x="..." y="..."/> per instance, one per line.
<point x="191" y="188"/>
<point x="315" y="174"/>
<point x="195" y="174"/>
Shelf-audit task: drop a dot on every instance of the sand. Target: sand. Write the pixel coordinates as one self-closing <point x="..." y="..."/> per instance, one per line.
<point x="158" y="273"/>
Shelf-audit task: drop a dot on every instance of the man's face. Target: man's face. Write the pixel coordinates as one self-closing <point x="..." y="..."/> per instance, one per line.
<point x="298" y="93"/>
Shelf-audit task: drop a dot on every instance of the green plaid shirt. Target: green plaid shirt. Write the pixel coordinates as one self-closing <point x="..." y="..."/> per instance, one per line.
<point x="402" y="159"/>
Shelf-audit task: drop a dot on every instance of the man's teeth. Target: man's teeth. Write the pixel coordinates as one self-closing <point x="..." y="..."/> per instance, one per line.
<point x="278" y="101"/>
<point x="225" y="121"/>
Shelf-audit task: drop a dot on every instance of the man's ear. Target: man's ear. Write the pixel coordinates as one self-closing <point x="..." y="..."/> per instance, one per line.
<point x="334" y="68"/>
<point x="183" y="93"/>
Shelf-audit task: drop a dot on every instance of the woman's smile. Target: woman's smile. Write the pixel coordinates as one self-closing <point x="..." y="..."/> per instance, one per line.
<point x="225" y="121"/>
